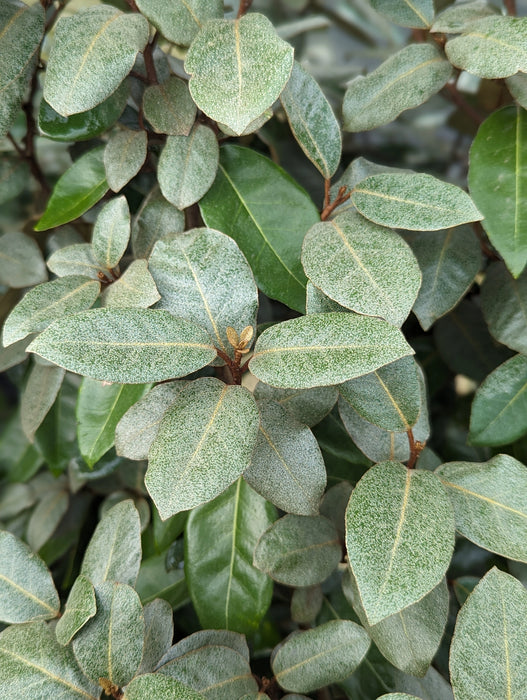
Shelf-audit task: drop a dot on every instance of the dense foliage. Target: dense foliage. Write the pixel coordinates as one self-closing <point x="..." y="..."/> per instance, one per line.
<point x="264" y="342"/>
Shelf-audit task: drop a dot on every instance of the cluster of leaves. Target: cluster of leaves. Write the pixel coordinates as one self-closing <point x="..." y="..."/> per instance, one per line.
<point x="253" y="428"/>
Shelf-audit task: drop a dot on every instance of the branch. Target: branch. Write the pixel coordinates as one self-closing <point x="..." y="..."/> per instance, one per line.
<point x="416" y="448"/>
<point x="243" y="8"/>
<point x="341" y="197"/>
<point x="148" y="55"/>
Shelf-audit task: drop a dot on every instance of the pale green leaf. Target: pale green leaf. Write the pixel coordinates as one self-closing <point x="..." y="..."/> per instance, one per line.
<point x="399" y="537"/>
<point x="14" y="176"/>
<point x="45" y="518"/>
<point x="27" y="592"/>
<point x="517" y="85"/>
<point x="128" y="346"/>
<point x="75" y="260"/>
<point x="321" y="349"/>
<point x="287" y="467"/>
<point x="403" y="81"/>
<point x="416" y="202"/>
<point x="134" y="288"/>
<point x="169" y="107"/>
<point x="238" y="68"/>
<point x="156" y="218"/>
<point x="94" y="50"/>
<point x="38" y="397"/>
<point x="187" y="166"/>
<point x="251" y="201"/>
<point x="14" y="498"/>
<point x="492" y="47"/>
<point x="306" y="603"/>
<point x="80" y="607"/>
<point x="318" y="303"/>
<point x="14" y="354"/>
<point x="110" y="644"/>
<point x="398" y="696"/>
<point x="21" y="262"/>
<point x="326" y="654"/>
<point x="203" y="445"/>
<point x="490" y="503"/>
<point x="362" y="266"/>
<point x="312" y="121"/>
<point x="194" y="273"/>
<point x="159" y="632"/>
<point x="111" y="232"/>
<point x="114" y="551"/>
<point x="299" y="550"/>
<point x="456" y="18"/>
<point x="154" y="685"/>
<point x="487" y="656"/>
<point x="504" y="305"/>
<point x="180" y="20"/>
<point x="123" y="157"/>
<point x="408" y="13"/>
<point x="308" y="406"/>
<point x="255" y="125"/>
<point x="226" y="590"/>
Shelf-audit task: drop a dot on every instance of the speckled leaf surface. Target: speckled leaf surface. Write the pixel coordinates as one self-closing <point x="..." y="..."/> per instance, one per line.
<point x="416" y="202"/>
<point x="134" y="288"/>
<point x="14" y="174"/>
<point x="39" y="394"/>
<point x="128" y="346"/>
<point x="187" y="166"/>
<point x="498" y="173"/>
<point x="398" y="696"/>
<point x="362" y="266"/>
<point x="27" y="591"/>
<point x="31" y="657"/>
<point x="47" y="302"/>
<point x="227" y="591"/>
<point x="287" y="467"/>
<point x="250" y="201"/>
<point x="492" y="47"/>
<point x="322" y="349"/>
<point x="399" y="537"/>
<point x="77" y="190"/>
<point x="390" y="397"/>
<point x="94" y="50"/>
<point x="110" y="645"/>
<point x="487" y="656"/>
<point x="449" y="262"/>
<point x="80" y="607"/>
<point x="180" y="20"/>
<point x="490" y="503"/>
<point x="45" y="518"/>
<point x="504" y="305"/>
<point x="111" y="232"/>
<point x="77" y="260"/>
<point x="409" y="639"/>
<point x="156" y="218"/>
<point x="318" y="303"/>
<point x="114" y="551"/>
<point x="408" y="13"/>
<point x="499" y="408"/>
<point x="21" y="262"/>
<point x="124" y="156"/>
<point x="169" y="107"/>
<point x="403" y="81"/>
<point x="308" y="406"/>
<point x="312" y="121"/>
<point x="238" y="68"/>
<point x="159" y="632"/>
<point x="153" y="685"/>
<point x="204" y="443"/>
<point x="325" y="654"/>
<point x="517" y="86"/>
<point x="299" y="550"/>
<point x="456" y="18"/>
<point x="194" y="273"/>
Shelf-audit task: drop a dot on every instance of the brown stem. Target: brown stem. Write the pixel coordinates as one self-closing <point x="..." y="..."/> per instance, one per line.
<point x="148" y="55"/>
<point x="131" y="4"/>
<point x="327" y="187"/>
<point x="458" y="99"/>
<point x="510" y="6"/>
<point x="487" y="252"/>
<point x="341" y="197"/>
<point x="233" y="366"/>
<point x="416" y="448"/>
<point x="243" y="7"/>
<point x="139" y="76"/>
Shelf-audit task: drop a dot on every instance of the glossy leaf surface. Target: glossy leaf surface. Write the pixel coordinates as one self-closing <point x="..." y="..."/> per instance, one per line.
<point x="169" y="107"/>
<point x="111" y="232"/>
<point x="504" y="305"/>
<point x="124" y="156"/>
<point x="80" y="607"/>
<point x="21" y="262"/>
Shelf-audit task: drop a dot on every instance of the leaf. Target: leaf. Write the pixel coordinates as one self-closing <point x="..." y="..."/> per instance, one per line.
<point x="390" y="397"/>
<point x="94" y="50"/>
<point x="180" y="20"/>
<point x="415" y="202"/>
<point x="75" y="260"/>
<point x="155" y="219"/>
<point x="308" y="406"/>
<point x="287" y="467"/>
<point x="395" y="519"/>
<point x="27" y="592"/>
<point x="408" y="13"/>
<point x="110" y="645"/>
<point x="298" y="550"/>
<point x="204" y="443"/>
<point x="226" y="590"/>
<point x="45" y="519"/>
<point x="77" y="190"/>
<point x="153" y="685"/>
<point x="134" y="289"/>
<point x="194" y="273"/>
<point x="111" y="232"/>
<point x="31" y="657"/>
<point x="497" y="174"/>
<point x="47" y="302"/>
<point x="499" y="409"/>
<point x="15" y="498"/>
<point x="325" y="654"/>
<point x="38" y="397"/>
<point x="21" y="262"/>
<point x="238" y="68"/>
<point x="154" y="581"/>
<point x="504" y="305"/>
<point x="492" y="47"/>
<point x="124" y="156"/>
<point x="159" y="631"/>
<point x="128" y="346"/>
<point x="187" y="166"/>
<point x="14" y="175"/>
<point x="169" y="107"/>
<point x="410" y="638"/>
<point x="489" y="502"/>
<point x="487" y="656"/>
<point x="405" y="80"/>
<point x="312" y="121"/>
<point x="455" y="19"/>
<point x="306" y="603"/>
<point x="333" y="347"/>
<point x="251" y="201"/>
<point x="80" y="607"/>
<point x="14" y="354"/>
<point x="318" y="303"/>
<point x="517" y="86"/>
<point x="362" y="266"/>
<point x="398" y="696"/>
<point x="449" y="262"/>
<point x="114" y="551"/>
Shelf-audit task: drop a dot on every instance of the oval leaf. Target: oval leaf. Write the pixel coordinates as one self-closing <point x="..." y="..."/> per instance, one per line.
<point x="408" y="13"/>
<point x="159" y="632"/>
<point x="76" y="259"/>
<point x="180" y="20"/>
<point x="156" y="218"/>
<point x="136" y="288"/>
<point x="169" y="107"/>
<point x="21" y="262"/>
<point x="111" y="232"/>
<point x="80" y="607"/>
<point x="38" y="397"/>
<point x="307" y="406"/>
<point x="504" y="305"/>
<point x="153" y="685"/>
<point x="124" y="156"/>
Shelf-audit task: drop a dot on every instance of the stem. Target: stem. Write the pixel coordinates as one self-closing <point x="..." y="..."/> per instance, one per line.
<point x="327" y="187"/>
<point x="416" y="448"/>
<point x="233" y="366"/>
<point x="485" y="249"/>
<point x="148" y="55"/>
<point x="131" y="4"/>
<point x="458" y="99"/>
<point x="510" y="6"/>
<point x="341" y="197"/>
<point x="243" y="8"/>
